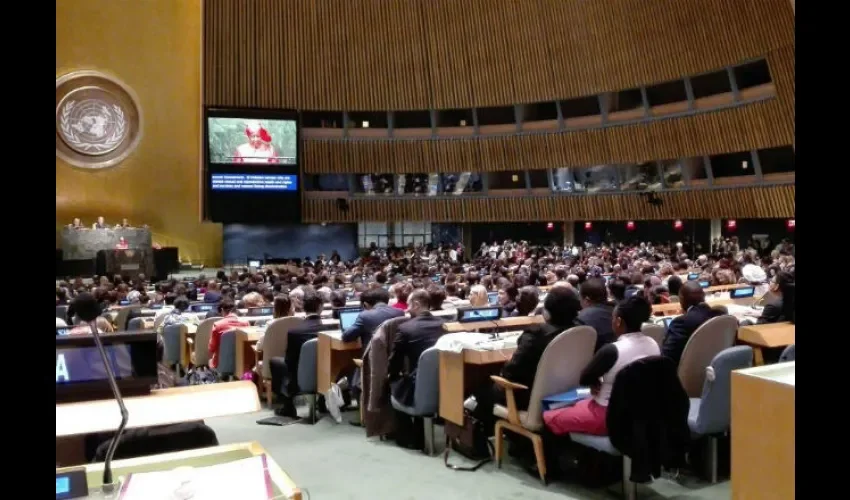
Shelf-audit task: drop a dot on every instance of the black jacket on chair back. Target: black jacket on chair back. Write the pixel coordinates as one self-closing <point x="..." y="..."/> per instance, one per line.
<point x="648" y="417"/>
<point x="413" y="337"/>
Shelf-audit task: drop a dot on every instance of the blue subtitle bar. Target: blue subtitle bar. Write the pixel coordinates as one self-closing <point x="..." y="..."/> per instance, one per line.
<point x="254" y="182"/>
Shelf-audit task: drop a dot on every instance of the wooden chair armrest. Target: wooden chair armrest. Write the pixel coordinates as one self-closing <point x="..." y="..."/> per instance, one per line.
<point x="508" y="386"/>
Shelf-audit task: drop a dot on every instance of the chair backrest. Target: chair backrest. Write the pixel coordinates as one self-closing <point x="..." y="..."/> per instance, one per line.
<point x="120" y="322"/>
<point x="62" y="312"/>
<point x="202" y="341"/>
<point x="715" y="411"/>
<point x="136" y="324"/>
<point x="227" y="353"/>
<point x="171" y="343"/>
<point x="707" y="341"/>
<point x="560" y="367"/>
<point x="655" y="331"/>
<point x="275" y="340"/>
<point x="307" y="360"/>
<point x="789" y="354"/>
<point x="426" y="396"/>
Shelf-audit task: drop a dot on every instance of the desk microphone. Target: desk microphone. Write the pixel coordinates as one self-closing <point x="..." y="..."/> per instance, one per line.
<point x="88" y="310"/>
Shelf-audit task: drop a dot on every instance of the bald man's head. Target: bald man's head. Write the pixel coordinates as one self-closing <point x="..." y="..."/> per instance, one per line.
<point x="691" y="294"/>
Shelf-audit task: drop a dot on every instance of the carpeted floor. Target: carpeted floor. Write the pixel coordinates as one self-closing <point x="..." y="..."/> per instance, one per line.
<point x="337" y="462"/>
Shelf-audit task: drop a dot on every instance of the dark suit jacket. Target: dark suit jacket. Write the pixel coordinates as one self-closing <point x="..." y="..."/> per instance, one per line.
<point x="212" y="297"/>
<point x="413" y="338"/>
<point x="369" y="321"/>
<point x="772" y="313"/>
<point x="599" y="317"/>
<point x="681" y="329"/>
<point x="307" y="330"/>
<point x="647" y="417"/>
<point x="522" y="367"/>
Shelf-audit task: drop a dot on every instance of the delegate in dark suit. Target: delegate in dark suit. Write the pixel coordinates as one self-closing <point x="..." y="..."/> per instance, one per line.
<point x="368" y="321"/>
<point x="296" y="338"/>
<point x="772" y="313"/>
<point x="599" y="317"/>
<point x="522" y="367"/>
<point x="681" y="329"/>
<point x="414" y="337"/>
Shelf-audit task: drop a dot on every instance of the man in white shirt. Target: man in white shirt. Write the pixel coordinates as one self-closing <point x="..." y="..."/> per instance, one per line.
<point x="166" y="309"/>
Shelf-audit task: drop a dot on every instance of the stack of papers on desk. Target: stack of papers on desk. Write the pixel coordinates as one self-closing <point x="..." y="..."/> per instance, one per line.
<point x="246" y="479"/>
<point x="457" y="342"/>
<point x="743" y="312"/>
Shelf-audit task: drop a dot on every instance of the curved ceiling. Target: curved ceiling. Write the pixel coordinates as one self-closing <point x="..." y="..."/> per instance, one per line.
<point x="444" y="54"/>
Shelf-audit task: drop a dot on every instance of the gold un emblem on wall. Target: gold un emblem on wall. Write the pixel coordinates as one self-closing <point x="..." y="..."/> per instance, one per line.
<point x="98" y="120"/>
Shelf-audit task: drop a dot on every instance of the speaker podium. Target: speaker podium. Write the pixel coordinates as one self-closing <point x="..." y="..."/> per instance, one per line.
<point x="132" y="262"/>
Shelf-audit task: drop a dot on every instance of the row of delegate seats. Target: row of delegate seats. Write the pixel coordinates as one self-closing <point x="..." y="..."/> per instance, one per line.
<point x="712" y="345"/>
<point x="559" y="370"/>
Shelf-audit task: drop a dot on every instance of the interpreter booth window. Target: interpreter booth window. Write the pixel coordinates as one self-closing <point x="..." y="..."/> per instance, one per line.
<point x="695" y="170"/>
<point x="412" y="233"/>
<point x="374" y="184"/>
<point x="458" y="183"/>
<point x="511" y="179"/>
<point x="667" y="98"/>
<point x="417" y="184"/>
<point x="321" y="119"/>
<point x="367" y="119"/>
<point x="624" y="105"/>
<point x="640" y="177"/>
<point x="738" y="164"/>
<point x="538" y="179"/>
<point x="565" y="180"/>
<point x="326" y="182"/>
<point x="751" y="75"/>
<point x="671" y="172"/>
<point x="779" y="160"/>
<point x="372" y="232"/>
<point x="598" y="178"/>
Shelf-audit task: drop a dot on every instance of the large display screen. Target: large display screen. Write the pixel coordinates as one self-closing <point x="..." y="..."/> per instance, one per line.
<point x="252" y="168"/>
<point x="252" y="141"/>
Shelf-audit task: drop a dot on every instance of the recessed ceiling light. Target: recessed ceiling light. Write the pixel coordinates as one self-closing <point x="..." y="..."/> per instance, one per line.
<point x="365" y="124"/>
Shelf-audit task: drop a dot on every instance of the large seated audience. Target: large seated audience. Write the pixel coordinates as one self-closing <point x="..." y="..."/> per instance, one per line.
<point x="610" y="287"/>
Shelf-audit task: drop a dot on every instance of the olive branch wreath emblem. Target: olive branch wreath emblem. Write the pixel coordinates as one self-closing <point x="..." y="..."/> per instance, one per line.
<point x="70" y="135"/>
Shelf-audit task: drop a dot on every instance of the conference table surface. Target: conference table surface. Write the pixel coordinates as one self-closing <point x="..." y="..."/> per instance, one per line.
<point x="283" y="486"/>
<point x="161" y="407"/>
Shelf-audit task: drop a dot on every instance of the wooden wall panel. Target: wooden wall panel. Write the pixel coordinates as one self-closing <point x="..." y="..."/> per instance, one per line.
<point x="749" y="202"/>
<point x="443" y="54"/>
<point x="155" y="48"/>
<point x="783" y="73"/>
<point x="753" y="126"/>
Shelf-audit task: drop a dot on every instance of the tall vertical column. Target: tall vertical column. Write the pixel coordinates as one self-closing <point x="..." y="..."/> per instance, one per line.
<point x="466" y="238"/>
<point x="715" y="230"/>
<point x="569" y="233"/>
